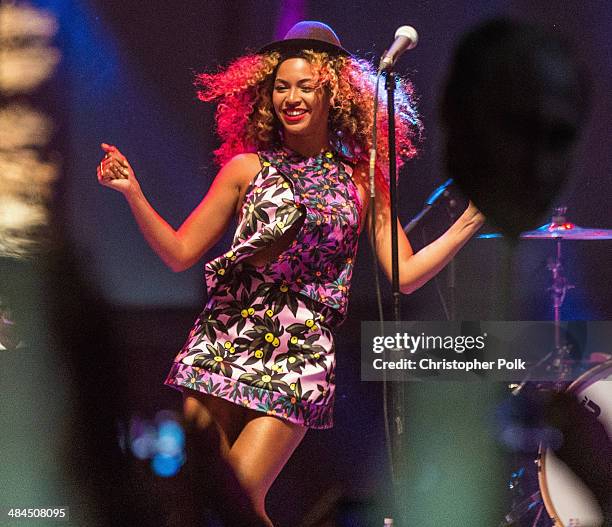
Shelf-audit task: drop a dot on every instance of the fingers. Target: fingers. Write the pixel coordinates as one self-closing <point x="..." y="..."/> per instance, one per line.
<point x="109" y="148"/>
<point x="114" y="165"/>
<point x="110" y="168"/>
<point x="113" y="151"/>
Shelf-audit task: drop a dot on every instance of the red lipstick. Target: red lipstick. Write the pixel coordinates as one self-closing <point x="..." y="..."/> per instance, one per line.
<point x="294" y="118"/>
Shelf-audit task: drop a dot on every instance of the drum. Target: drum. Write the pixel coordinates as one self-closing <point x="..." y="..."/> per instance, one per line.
<point x="568" y="500"/>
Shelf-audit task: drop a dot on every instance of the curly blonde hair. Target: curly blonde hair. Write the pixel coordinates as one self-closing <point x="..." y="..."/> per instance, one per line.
<point x="246" y="121"/>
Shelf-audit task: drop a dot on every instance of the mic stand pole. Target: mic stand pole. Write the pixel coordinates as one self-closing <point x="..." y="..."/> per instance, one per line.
<point x="430" y="203"/>
<point x="390" y="86"/>
<point x="396" y="388"/>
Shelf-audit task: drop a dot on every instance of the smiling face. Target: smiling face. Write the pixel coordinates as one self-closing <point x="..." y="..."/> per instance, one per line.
<point x="300" y="104"/>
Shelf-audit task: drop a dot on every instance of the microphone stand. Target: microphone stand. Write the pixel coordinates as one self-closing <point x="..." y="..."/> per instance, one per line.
<point x="397" y="389"/>
<point x="429" y="204"/>
<point x="390" y="87"/>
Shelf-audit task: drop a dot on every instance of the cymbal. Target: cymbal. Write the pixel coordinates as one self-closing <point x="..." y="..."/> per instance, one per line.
<point x="565" y="230"/>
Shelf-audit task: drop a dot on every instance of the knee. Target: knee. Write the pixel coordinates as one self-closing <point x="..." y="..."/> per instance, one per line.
<point x="260" y="514"/>
<point x="258" y="503"/>
<point x="257" y="516"/>
<point x="255" y="490"/>
<point x="195" y="413"/>
<point x="237" y="508"/>
<point x="203" y="438"/>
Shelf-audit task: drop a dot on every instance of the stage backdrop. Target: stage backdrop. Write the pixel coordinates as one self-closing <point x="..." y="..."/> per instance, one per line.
<point x="126" y="79"/>
<point x="129" y="69"/>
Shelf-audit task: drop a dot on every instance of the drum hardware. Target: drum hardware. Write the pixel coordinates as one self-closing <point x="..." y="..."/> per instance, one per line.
<point x="559" y="228"/>
<point x="516" y="478"/>
<point x="522" y="508"/>
<point x="557" y="361"/>
<point x="567" y="499"/>
<point x="522" y="505"/>
<point x="538" y="515"/>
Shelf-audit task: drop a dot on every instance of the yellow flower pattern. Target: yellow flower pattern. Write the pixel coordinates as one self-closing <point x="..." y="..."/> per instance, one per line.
<point x="264" y="339"/>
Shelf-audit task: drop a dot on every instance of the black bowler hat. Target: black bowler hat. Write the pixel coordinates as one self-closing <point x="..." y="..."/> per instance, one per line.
<point x="308" y="34"/>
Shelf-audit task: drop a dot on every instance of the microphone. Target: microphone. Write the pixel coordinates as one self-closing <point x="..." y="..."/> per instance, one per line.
<point x="406" y="37"/>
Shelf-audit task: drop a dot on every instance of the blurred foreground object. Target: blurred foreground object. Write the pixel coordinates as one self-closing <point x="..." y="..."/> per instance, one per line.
<point x="513" y="106"/>
<point x="27" y="169"/>
<point x="28" y="58"/>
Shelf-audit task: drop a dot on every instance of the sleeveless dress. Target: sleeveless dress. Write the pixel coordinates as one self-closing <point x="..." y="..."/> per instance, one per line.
<point x="264" y="339"/>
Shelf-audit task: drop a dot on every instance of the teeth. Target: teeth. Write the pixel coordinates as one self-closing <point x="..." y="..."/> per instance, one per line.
<point x="294" y="113"/>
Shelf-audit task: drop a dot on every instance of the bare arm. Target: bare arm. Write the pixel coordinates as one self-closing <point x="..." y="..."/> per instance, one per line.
<point x="415" y="269"/>
<point x="182" y="248"/>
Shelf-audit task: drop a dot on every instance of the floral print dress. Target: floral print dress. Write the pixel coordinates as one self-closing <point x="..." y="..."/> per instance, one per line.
<point x="264" y="339"/>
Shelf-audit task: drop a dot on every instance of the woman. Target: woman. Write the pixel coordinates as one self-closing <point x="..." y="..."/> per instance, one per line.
<point x="258" y="366"/>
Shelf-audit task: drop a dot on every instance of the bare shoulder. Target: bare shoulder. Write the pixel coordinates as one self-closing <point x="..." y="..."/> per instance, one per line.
<point x="239" y="172"/>
<point x="242" y="164"/>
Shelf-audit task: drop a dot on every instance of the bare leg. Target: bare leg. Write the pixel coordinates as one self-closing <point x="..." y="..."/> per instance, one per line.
<point x="211" y="426"/>
<point x="261" y="451"/>
<point x="205" y="410"/>
<point x="235" y="454"/>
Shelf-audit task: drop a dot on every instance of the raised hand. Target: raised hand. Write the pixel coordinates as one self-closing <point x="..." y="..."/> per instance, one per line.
<point x="114" y="171"/>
